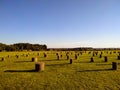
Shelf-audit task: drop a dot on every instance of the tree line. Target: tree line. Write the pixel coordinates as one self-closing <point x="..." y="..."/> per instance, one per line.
<point x="22" y="47"/>
<point x="71" y="49"/>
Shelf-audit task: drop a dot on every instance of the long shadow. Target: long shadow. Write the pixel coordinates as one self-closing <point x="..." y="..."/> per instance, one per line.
<point x="63" y="64"/>
<point x="49" y="60"/>
<point x="21" y="61"/>
<point x="54" y="60"/>
<point x="63" y="60"/>
<point x="98" y="70"/>
<point x="84" y="62"/>
<point x="20" y="71"/>
<point x="102" y="64"/>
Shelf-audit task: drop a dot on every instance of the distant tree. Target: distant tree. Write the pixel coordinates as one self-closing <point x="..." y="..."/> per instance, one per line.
<point x="28" y="46"/>
<point x="22" y="46"/>
<point x="2" y="46"/>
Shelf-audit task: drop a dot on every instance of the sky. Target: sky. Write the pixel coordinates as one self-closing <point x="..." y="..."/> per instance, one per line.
<point x="61" y="23"/>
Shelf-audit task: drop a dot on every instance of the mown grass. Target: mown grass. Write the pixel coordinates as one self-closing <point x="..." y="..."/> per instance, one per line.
<point x="18" y="73"/>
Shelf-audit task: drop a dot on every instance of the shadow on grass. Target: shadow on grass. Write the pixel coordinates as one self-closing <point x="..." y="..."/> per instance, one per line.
<point x="49" y="60"/>
<point x="84" y="61"/>
<point x="98" y="70"/>
<point x="54" y="60"/>
<point x="20" y="71"/>
<point x="63" y="64"/>
<point x="21" y="61"/>
<point x="102" y="64"/>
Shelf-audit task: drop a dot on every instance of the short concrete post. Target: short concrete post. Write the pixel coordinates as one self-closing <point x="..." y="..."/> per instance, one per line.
<point x="45" y="55"/>
<point x="61" y="56"/>
<point x="34" y="59"/>
<point x="67" y="57"/>
<point x="114" y="65"/>
<point x="75" y="57"/>
<point x="119" y="57"/>
<point x="26" y="55"/>
<point x="58" y="58"/>
<point x="39" y="66"/>
<point x="71" y="61"/>
<point x="17" y="56"/>
<point x="91" y="60"/>
<point x="100" y="55"/>
<point x="3" y="59"/>
<point x="106" y="59"/>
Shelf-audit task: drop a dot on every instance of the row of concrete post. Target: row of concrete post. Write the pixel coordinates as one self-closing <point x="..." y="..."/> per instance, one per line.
<point x="39" y="66"/>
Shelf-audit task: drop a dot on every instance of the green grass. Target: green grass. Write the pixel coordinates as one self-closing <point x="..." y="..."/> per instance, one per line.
<point x="59" y="74"/>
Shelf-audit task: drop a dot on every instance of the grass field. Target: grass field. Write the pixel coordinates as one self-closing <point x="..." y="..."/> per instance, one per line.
<point x="18" y="73"/>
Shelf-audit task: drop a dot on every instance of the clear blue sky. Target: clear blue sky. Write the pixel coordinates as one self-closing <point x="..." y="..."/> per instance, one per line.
<point x="61" y="23"/>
